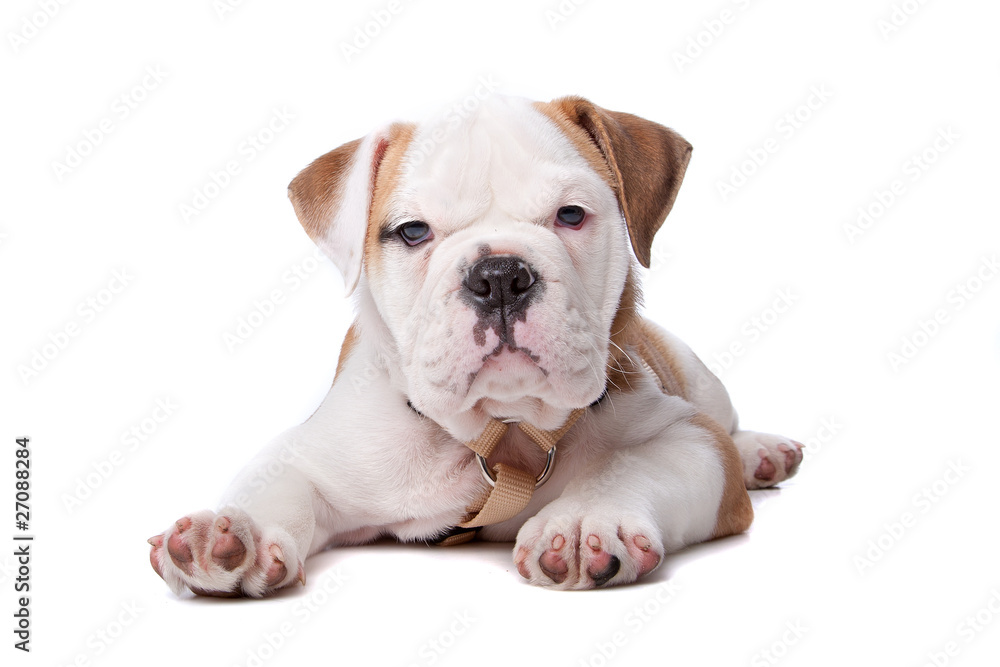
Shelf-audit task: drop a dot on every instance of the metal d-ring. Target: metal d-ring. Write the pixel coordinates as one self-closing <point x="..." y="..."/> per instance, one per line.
<point x="491" y="479"/>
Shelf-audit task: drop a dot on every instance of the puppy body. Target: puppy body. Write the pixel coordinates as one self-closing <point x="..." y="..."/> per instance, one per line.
<point x="550" y="206"/>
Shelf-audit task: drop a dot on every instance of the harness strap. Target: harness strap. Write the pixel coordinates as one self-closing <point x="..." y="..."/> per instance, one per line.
<point x="512" y="488"/>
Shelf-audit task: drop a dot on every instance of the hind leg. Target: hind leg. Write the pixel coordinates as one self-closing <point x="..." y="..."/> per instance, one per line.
<point x="767" y="459"/>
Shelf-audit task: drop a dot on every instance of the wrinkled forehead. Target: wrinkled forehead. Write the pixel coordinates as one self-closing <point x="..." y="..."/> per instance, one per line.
<point x="505" y="153"/>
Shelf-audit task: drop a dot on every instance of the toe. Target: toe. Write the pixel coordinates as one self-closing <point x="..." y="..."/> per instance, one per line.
<point x="601" y="566"/>
<point x="521" y="561"/>
<point x="792" y="457"/>
<point x="641" y="550"/>
<point x="178" y="548"/>
<point x="276" y="571"/>
<point x="228" y="551"/>
<point x="605" y="575"/>
<point x="552" y="563"/>
<point x="765" y="470"/>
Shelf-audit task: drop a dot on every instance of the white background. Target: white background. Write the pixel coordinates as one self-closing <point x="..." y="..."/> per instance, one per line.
<point x="874" y="554"/>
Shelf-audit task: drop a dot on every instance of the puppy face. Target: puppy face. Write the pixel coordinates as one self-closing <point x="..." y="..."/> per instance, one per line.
<point x="495" y="250"/>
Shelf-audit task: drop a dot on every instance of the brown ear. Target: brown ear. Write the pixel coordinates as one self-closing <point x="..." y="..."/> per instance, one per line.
<point x="332" y="198"/>
<point x="647" y="163"/>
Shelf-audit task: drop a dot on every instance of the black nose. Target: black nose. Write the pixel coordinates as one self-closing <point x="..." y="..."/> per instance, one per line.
<point x="500" y="282"/>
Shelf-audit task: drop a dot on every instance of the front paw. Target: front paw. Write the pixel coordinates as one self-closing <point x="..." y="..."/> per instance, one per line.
<point x="569" y="550"/>
<point x="224" y="555"/>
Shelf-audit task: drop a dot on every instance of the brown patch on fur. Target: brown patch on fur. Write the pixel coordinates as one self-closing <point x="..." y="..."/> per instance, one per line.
<point x="634" y="340"/>
<point x="661" y="358"/>
<point x="350" y="340"/>
<point x="646" y="160"/>
<point x="386" y="173"/>
<point x="316" y="190"/>
<point x="735" y="511"/>
<point x="624" y="327"/>
<point x="583" y="142"/>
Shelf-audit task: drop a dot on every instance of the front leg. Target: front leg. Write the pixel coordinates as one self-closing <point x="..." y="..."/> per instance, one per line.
<point x="258" y="540"/>
<point x="629" y="506"/>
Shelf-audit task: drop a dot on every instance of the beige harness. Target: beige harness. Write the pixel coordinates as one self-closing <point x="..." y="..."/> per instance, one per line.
<point x="511" y="488"/>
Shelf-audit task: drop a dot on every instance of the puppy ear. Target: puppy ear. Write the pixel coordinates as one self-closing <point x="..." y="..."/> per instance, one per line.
<point x="332" y="198"/>
<point x="647" y="163"/>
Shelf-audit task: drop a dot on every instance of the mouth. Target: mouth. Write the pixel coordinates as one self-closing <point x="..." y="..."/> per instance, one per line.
<point x="501" y="356"/>
<point x="508" y="373"/>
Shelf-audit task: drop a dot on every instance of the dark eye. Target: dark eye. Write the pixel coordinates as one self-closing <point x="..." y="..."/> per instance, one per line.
<point x="415" y="232"/>
<point x="571" y="216"/>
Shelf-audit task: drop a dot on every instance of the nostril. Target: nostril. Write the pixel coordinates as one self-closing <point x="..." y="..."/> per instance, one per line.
<point x="523" y="280"/>
<point x="479" y="285"/>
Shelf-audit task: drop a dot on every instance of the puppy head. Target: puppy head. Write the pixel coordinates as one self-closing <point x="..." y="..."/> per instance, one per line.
<point x="495" y="248"/>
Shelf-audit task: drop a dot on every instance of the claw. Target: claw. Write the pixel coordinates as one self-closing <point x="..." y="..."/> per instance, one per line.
<point x="156" y="541"/>
<point x="302" y="574"/>
<point x="153" y="560"/>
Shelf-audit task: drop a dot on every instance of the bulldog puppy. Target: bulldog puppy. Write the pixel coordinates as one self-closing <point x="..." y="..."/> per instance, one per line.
<point x="494" y="262"/>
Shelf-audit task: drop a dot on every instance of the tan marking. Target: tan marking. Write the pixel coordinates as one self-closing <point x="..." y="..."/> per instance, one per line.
<point x="624" y="327"/>
<point x="317" y="189"/>
<point x="735" y="512"/>
<point x="633" y="335"/>
<point x="387" y="174"/>
<point x="558" y="111"/>
<point x="646" y="160"/>
<point x="661" y="358"/>
<point x="350" y="341"/>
